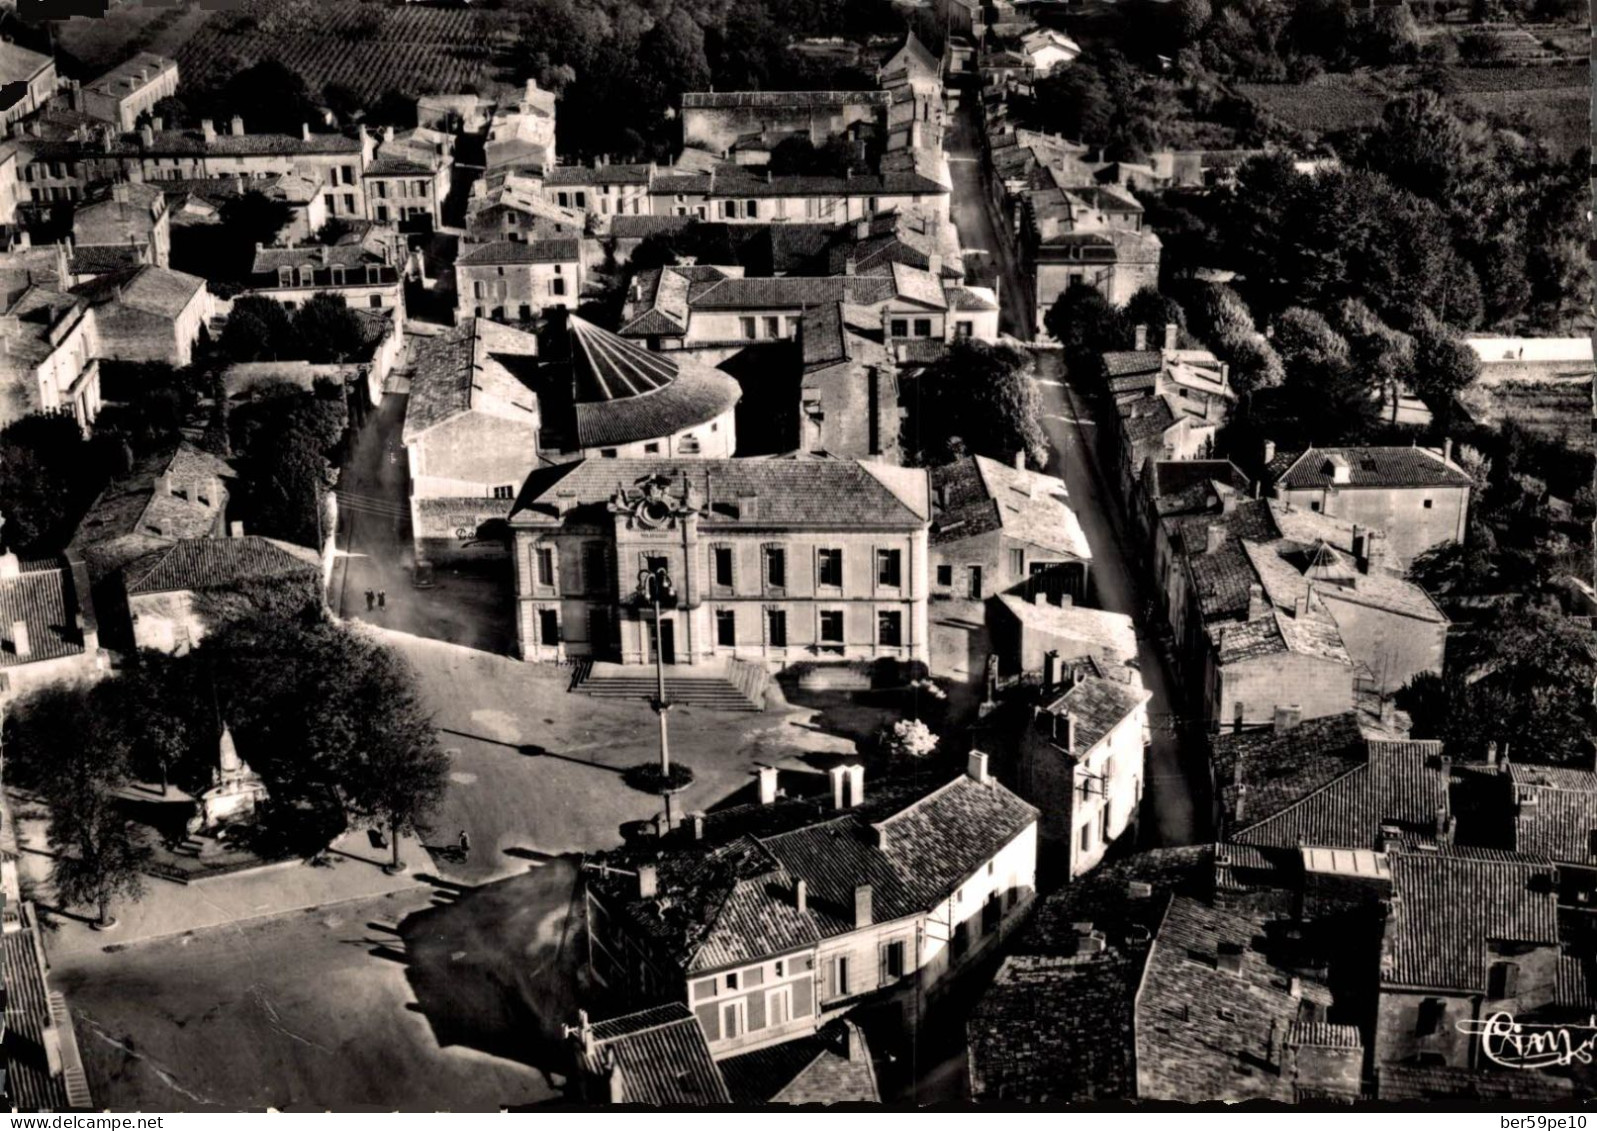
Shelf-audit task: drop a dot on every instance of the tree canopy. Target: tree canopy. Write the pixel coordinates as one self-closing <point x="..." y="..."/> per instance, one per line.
<point x="978" y="399"/>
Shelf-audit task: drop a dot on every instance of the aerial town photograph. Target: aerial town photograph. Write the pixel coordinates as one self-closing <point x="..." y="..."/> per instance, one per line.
<point x="920" y="554"/>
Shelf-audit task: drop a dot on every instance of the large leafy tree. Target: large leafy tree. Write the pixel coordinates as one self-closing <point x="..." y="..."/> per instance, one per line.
<point x="326" y="330"/>
<point x="1524" y="679"/>
<point x="48" y="473"/>
<point x="1087" y="325"/>
<point x="979" y="398"/>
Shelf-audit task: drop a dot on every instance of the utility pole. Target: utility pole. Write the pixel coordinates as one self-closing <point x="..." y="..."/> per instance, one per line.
<point x="654" y="586"/>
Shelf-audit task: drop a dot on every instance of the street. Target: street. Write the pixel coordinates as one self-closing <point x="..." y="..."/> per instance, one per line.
<point x="1175" y="776"/>
<point x="974" y="217"/>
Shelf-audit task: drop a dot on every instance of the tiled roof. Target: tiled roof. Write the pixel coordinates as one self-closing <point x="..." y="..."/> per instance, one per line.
<point x="104" y="258"/>
<point x="825" y="494"/>
<point x="625" y="393"/>
<point x="1114" y="634"/>
<point x="1145" y="420"/>
<point x="1171" y="476"/>
<point x="43" y="596"/>
<point x="792" y="291"/>
<point x="735" y="902"/>
<point x="981" y="495"/>
<point x="31" y="1084"/>
<point x="1055" y="1030"/>
<point x="1288" y="570"/>
<point x="833" y="858"/>
<point x="1279" y="768"/>
<point x="1411" y="1083"/>
<point x="1204" y="1031"/>
<point x="939" y="841"/>
<point x="1099" y="705"/>
<point x="172" y="143"/>
<point x="833" y="1065"/>
<point x="1222" y="578"/>
<point x="1312" y="633"/>
<point x="1367" y="467"/>
<point x="18" y="64"/>
<point x="781" y="99"/>
<point x="662" y="1058"/>
<point x="522" y="251"/>
<point x="598" y="175"/>
<point x="119" y="81"/>
<point x="154" y="290"/>
<point x="469" y="368"/>
<point x="132" y="506"/>
<point x="1555" y="811"/>
<point x="1404" y="784"/>
<point x="219" y="563"/>
<point x="1448" y="908"/>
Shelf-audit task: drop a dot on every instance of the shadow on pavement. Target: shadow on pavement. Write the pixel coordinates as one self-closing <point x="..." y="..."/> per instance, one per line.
<point x="497" y="968"/>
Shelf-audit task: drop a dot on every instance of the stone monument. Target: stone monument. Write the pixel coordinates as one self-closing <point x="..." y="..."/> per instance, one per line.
<point x="235" y="792"/>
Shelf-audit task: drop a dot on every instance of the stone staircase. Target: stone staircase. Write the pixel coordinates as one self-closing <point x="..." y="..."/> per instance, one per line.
<point x="714" y="687"/>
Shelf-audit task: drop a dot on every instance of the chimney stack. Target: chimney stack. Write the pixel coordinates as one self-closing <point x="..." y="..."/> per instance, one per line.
<point x="838" y="777"/>
<point x="1491" y="753"/>
<point x="1172" y="335"/>
<point x="19" y="638"/>
<point x="976" y="768"/>
<point x="207" y="130"/>
<point x="158" y="124"/>
<point x="1287" y="718"/>
<point x="1269" y="452"/>
<point x="10" y="566"/>
<point x="1140" y="338"/>
<point x="1214" y="538"/>
<point x="850" y="266"/>
<point x="235" y="529"/>
<point x="304" y="131"/>
<point x="146" y="135"/>
<point x="748" y="507"/>
<point x="696" y="824"/>
<point x="163" y="484"/>
<point x="1447" y="449"/>
<point x="237" y="126"/>
<point x="1020" y="460"/>
<point x="767" y="776"/>
<point x="862" y="905"/>
<point x="854" y="779"/>
<point x="1256" y="603"/>
<point x="801" y="896"/>
<point x="648" y="881"/>
<point x="934" y="264"/>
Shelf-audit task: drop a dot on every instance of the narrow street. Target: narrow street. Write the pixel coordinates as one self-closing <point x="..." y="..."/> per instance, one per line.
<point x="1175" y="776"/>
<point x="974" y="216"/>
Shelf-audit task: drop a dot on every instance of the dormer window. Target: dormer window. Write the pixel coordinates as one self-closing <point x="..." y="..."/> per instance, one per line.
<point x="306" y="276"/>
<point x="338" y="276"/>
<point x="285" y="276"/>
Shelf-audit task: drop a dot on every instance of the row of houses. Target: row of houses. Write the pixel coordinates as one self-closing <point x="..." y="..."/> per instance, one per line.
<point x="1369" y="907"/>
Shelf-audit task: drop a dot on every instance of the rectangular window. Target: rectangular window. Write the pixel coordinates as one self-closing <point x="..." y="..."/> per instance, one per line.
<point x="652" y="448"/>
<point x="776" y="620"/>
<point x="726" y="628"/>
<point x="964" y="329"/>
<point x="732" y="981"/>
<point x="840" y="976"/>
<point x="975" y="583"/>
<point x="778" y="1006"/>
<point x="349" y="202"/>
<point x="1017" y="563"/>
<point x="375" y="302"/>
<point x="582" y="199"/>
<point x="1086" y="838"/>
<point x="888" y="568"/>
<point x="595" y="567"/>
<point x="775" y="567"/>
<point x="1105" y="823"/>
<point x="893" y="961"/>
<point x="945" y="575"/>
<point x="1427" y="504"/>
<point x="992" y="912"/>
<point x="832" y="626"/>
<point x="1428" y="1018"/>
<point x="961" y="941"/>
<point x="829" y="568"/>
<point x="557" y="287"/>
<point x="505" y="492"/>
<point x="889" y="628"/>
<point x="723" y="565"/>
<point x="749" y="328"/>
<point x="526" y="313"/>
<point x="773" y="327"/>
<point x="546" y="565"/>
<point x="548" y="626"/>
<point x="733" y="1021"/>
<point x="923" y="327"/>
<point x="899" y="328"/>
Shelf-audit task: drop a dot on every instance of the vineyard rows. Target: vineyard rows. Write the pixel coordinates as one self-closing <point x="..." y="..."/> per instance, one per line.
<point x="370" y="48"/>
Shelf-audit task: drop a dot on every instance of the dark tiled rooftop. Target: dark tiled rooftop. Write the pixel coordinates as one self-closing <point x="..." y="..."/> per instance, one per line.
<point x="1279" y="768"/>
<point x="1367" y="467"/>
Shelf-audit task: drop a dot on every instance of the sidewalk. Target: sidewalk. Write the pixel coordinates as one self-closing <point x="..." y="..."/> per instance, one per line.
<point x="169" y="908"/>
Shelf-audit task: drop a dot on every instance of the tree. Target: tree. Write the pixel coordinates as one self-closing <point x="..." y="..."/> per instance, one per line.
<point x="270" y="97"/>
<point x="1306" y="343"/>
<point x="1087" y="325"/>
<point x="1155" y="311"/>
<point x="47" y="473"/>
<point x="1254" y="363"/>
<point x="1443" y="365"/>
<point x="97" y="858"/>
<point x="284" y="436"/>
<point x="978" y="398"/>
<point x="258" y="329"/>
<point x="326" y="330"/>
<point x="1385" y="355"/>
<point x="394" y="774"/>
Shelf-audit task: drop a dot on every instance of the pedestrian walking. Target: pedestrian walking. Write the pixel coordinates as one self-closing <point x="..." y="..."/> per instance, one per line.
<point x="382" y="598"/>
<point x="371" y="600"/>
<point x="465" y="843"/>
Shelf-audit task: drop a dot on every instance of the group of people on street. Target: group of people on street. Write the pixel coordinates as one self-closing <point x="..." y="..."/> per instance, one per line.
<point x="376" y="599"/>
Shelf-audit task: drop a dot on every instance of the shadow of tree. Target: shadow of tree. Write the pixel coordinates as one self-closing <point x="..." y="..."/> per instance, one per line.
<point x="497" y="968"/>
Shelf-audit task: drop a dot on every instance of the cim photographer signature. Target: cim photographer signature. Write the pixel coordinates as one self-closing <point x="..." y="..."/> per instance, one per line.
<point x="1515" y="1044"/>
